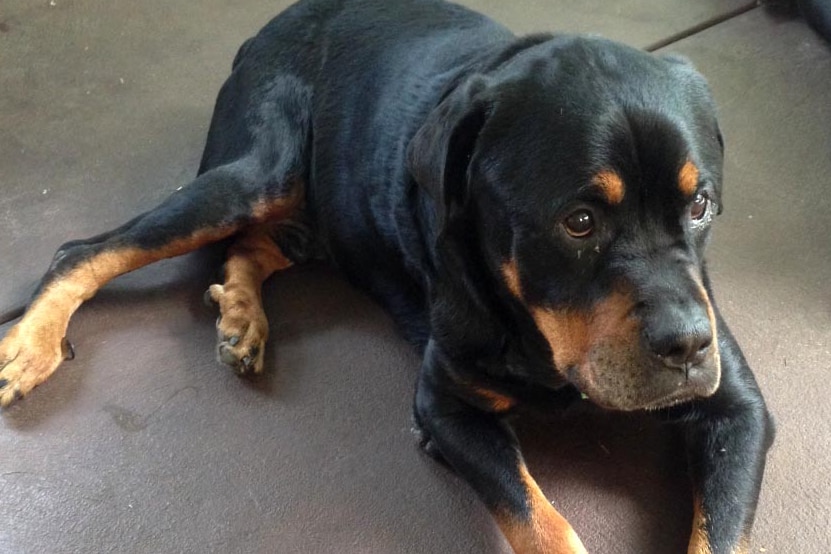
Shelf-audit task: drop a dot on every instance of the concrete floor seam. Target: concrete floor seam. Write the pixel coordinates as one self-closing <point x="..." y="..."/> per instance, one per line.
<point x="701" y="27"/>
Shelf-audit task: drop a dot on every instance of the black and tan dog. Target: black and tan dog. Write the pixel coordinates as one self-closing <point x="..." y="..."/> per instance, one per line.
<point x="533" y="211"/>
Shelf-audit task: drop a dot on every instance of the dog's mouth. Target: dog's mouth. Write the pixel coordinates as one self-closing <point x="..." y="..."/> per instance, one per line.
<point x="607" y="354"/>
<point x="607" y="357"/>
<point x="628" y="379"/>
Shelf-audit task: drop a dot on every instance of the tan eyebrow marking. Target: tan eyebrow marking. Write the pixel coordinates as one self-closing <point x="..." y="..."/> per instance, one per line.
<point x="611" y="185"/>
<point x="688" y="178"/>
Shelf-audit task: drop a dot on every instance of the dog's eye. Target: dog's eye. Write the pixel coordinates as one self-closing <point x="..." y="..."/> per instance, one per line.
<point x="579" y="224"/>
<point x="699" y="206"/>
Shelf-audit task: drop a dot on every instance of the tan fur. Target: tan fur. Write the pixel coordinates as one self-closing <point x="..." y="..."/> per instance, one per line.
<point x="32" y="350"/>
<point x="711" y="315"/>
<point x="571" y="333"/>
<point x="279" y="208"/>
<point x="599" y="350"/>
<point x="567" y="333"/>
<point x="497" y="402"/>
<point x="611" y="185"/>
<point x="251" y="260"/>
<point x="546" y="531"/>
<point x="743" y="547"/>
<point x="511" y="275"/>
<point x="699" y="541"/>
<point x="688" y="178"/>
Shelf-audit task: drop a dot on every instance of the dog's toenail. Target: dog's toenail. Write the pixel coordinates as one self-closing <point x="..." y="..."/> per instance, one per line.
<point x="3" y="383"/>
<point x="233" y="341"/>
<point x="227" y="356"/>
<point x="67" y="350"/>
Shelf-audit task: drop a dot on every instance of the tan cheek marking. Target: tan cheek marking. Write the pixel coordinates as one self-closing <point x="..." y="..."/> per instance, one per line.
<point x="545" y="530"/>
<point x="611" y="185"/>
<point x="688" y="178"/>
<point x="567" y="333"/>
<point x="711" y="315"/>
<point x="609" y="317"/>
<point x="572" y="335"/>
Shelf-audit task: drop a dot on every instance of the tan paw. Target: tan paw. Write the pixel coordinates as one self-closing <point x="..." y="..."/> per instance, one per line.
<point x="242" y="328"/>
<point x="27" y="358"/>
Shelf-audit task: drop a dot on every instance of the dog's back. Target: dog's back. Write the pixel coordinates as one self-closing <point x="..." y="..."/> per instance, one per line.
<point x="372" y="70"/>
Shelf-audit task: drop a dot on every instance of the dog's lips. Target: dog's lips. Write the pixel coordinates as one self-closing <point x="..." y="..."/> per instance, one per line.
<point x="703" y="384"/>
<point x="657" y="388"/>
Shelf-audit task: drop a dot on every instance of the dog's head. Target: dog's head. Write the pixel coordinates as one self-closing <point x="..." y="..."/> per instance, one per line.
<point x="585" y="175"/>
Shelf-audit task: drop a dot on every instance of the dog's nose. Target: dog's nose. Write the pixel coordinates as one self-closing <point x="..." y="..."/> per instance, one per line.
<point x="682" y="342"/>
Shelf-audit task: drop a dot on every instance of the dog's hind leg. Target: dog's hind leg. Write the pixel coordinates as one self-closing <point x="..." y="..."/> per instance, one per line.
<point x="242" y="327"/>
<point x="218" y="204"/>
<point x="254" y="172"/>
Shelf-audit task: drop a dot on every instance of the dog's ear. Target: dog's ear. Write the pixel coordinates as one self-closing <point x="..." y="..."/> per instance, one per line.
<point x="439" y="154"/>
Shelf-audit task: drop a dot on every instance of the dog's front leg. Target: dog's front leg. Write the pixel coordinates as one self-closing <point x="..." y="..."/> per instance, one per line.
<point x="483" y="450"/>
<point x="727" y="437"/>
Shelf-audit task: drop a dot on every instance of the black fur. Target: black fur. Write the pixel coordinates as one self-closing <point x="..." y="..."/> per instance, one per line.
<point x="434" y="148"/>
<point x="816" y="12"/>
<point x="818" y="15"/>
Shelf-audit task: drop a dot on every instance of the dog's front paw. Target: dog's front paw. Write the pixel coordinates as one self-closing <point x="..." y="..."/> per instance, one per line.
<point x="28" y="356"/>
<point x="242" y="328"/>
<point x="426" y="442"/>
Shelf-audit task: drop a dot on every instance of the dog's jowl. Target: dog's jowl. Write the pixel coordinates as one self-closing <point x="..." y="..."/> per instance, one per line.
<point x="532" y="211"/>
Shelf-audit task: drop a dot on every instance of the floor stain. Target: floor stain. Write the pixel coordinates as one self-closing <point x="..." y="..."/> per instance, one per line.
<point x="133" y="422"/>
<point x="127" y="420"/>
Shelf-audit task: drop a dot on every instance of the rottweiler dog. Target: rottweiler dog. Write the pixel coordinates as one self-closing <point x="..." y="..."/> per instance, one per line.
<point x="532" y="211"/>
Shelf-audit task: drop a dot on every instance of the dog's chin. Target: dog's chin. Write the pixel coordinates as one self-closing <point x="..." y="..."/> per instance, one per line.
<point x="647" y="386"/>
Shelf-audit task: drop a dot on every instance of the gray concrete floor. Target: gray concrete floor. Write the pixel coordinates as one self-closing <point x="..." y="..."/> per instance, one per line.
<point x="145" y="444"/>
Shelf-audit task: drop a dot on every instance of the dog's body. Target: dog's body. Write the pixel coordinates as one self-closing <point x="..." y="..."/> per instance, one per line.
<point x="532" y="211"/>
